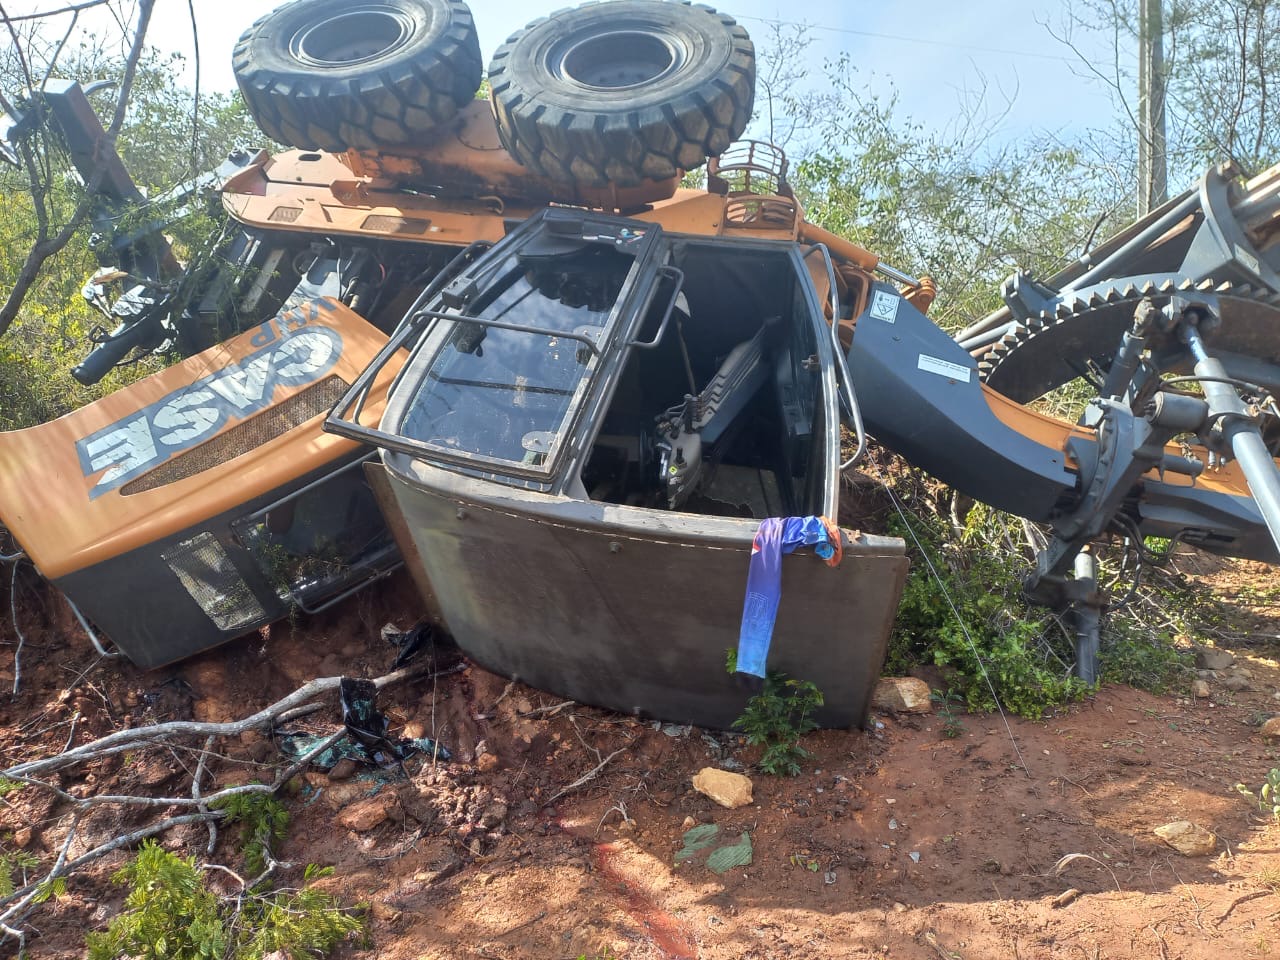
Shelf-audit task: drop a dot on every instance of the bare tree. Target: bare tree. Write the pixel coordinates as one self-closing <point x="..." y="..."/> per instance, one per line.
<point x="34" y="59"/>
<point x="1219" y="58"/>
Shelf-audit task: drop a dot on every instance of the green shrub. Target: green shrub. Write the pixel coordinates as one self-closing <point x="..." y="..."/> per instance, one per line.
<point x="1028" y="652"/>
<point x="12" y="864"/>
<point x="1013" y="645"/>
<point x="263" y="820"/>
<point x="776" y="718"/>
<point x="1144" y="660"/>
<point x="1268" y="796"/>
<point x="171" y="914"/>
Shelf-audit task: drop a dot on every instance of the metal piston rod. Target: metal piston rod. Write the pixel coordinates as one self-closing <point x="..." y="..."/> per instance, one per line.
<point x="1239" y="428"/>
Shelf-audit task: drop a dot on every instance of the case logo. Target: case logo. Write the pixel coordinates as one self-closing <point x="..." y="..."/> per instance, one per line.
<point x="295" y="354"/>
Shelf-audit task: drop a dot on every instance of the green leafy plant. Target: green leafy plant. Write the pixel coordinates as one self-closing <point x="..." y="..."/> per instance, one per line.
<point x="263" y="821"/>
<point x="997" y="643"/>
<point x="776" y="718"/>
<point x="812" y="864"/>
<point x="11" y="865"/>
<point x="171" y="914"/>
<point x="169" y="911"/>
<point x="1142" y="660"/>
<point x="1268" y="796"/>
<point x="947" y="704"/>
<point x="306" y="921"/>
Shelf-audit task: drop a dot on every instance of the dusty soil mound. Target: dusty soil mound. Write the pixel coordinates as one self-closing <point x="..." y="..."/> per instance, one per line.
<point x="896" y="842"/>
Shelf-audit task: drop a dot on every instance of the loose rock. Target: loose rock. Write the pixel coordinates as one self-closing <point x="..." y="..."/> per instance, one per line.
<point x="493" y="816"/>
<point x="1200" y="690"/>
<point x="451" y="865"/>
<point x="1211" y="658"/>
<point x="385" y="912"/>
<point x="417" y="802"/>
<point x="1064" y="898"/>
<point x="1236" y="682"/>
<point x="363" y="815"/>
<point x="338" y="795"/>
<point x="901" y="695"/>
<point x="1271" y="729"/>
<point x="1187" y="838"/>
<point x="344" y="769"/>
<point x="725" y="788"/>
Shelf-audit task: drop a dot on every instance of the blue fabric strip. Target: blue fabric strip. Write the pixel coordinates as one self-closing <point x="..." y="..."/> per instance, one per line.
<point x="775" y="537"/>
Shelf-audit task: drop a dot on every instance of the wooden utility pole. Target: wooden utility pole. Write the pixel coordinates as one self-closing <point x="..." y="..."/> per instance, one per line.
<point x="1153" y="178"/>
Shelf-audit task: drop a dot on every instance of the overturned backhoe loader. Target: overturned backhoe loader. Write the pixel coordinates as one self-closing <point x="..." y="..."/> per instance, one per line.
<point x="596" y="415"/>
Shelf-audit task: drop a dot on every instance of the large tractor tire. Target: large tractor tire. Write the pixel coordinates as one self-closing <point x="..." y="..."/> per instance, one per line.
<point x="358" y="74"/>
<point x="623" y="92"/>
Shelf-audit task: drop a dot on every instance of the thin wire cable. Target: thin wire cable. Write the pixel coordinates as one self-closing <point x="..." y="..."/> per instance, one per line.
<point x="13" y="608"/>
<point x="905" y="39"/>
<point x="195" y="97"/>
<point x="963" y="626"/>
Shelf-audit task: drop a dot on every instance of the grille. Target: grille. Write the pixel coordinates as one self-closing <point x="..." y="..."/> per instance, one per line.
<point x="387" y="224"/>
<point x="285" y="214"/>
<point x="254" y="432"/>
<point x="203" y="567"/>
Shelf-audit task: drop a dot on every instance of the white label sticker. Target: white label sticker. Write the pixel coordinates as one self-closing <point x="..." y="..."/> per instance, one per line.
<point x="884" y="306"/>
<point x="944" y="368"/>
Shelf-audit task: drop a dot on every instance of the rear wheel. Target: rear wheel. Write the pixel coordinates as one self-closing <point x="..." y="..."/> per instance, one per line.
<point x="623" y="92"/>
<point x="358" y="74"/>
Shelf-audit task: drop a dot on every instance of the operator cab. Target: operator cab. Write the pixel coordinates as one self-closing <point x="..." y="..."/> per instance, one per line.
<point x="594" y="420"/>
<point x="600" y="359"/>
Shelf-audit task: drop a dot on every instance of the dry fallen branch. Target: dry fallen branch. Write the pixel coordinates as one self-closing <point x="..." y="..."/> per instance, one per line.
<point x="1071" y="858"/>
<point x="1245" y="898"/>
<point x="589" y="775"/>
<point x="932" y="940"/>
<point x="27" y="895"/>
<point x="140" y="737"/>
<point x="204" y="806"/>
<point x="550" y="711"/>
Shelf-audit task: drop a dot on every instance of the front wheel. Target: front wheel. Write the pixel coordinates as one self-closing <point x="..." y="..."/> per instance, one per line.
<point x="358" y="74"/>
<point x="623" y="92"/>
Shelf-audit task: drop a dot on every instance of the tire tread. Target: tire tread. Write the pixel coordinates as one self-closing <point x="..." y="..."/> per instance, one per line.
<point x="394" y="105"/>
<point x="649" y="144"/>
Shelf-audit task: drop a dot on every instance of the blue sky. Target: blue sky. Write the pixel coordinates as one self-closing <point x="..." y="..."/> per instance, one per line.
<point x="934" y="52"/>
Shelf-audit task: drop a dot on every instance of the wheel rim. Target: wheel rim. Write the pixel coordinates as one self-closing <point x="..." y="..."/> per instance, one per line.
<point x="616" y="60"/>
<point x="354" y="36"/>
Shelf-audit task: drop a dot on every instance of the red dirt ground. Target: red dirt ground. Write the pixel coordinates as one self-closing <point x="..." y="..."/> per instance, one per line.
<point x="896" y="842"/>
